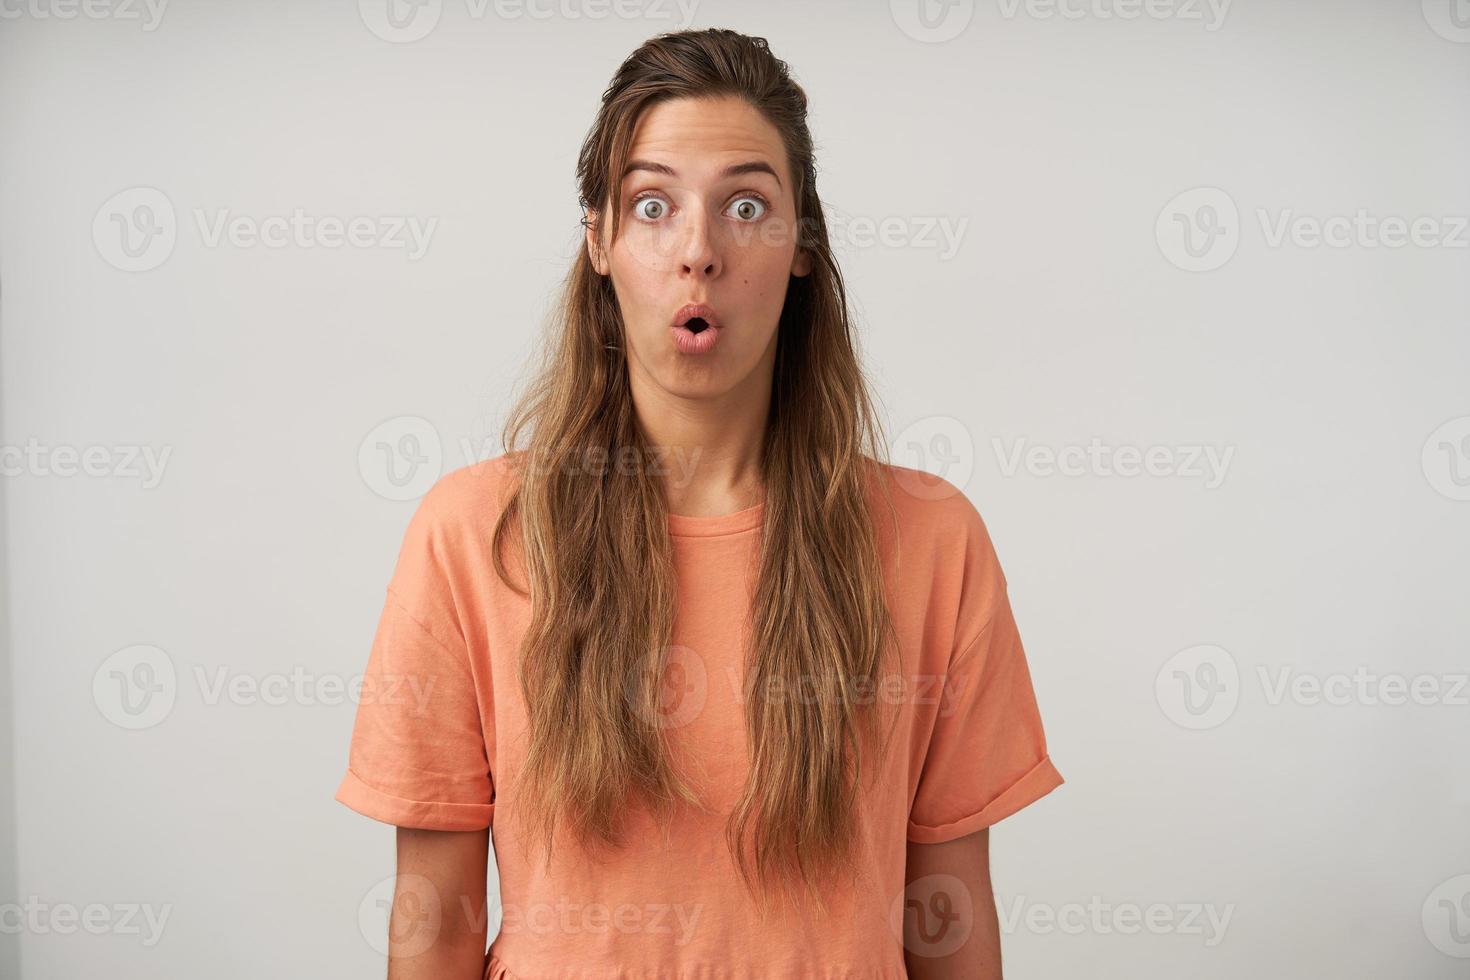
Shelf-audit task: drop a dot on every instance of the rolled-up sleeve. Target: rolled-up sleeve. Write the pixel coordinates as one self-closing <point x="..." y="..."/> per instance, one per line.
<point x="420" y="753"/>
<point x="986" y="755"/>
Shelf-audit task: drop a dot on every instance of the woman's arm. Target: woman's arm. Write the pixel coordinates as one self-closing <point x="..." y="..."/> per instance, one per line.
<point x="438" y="924"/>
<point x="963" y="863"/>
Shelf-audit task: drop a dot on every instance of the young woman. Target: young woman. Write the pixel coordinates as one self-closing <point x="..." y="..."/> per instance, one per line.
<point x="736" y="698"/>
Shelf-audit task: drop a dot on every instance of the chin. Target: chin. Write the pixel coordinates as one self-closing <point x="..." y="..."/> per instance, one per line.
<point x="688" y="385"/>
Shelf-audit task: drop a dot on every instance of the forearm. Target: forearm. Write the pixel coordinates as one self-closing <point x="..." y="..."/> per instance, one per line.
<point x="438" y="925"/>
<point x="976" y="958"/>
<point x="456" y="956"/>
<point x="951" y="930"/>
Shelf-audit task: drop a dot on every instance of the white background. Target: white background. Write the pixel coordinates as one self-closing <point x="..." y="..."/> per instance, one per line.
<point x="1056" y="140"/>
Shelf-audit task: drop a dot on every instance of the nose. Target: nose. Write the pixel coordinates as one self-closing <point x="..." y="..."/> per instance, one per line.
<point x="699" y="253"/>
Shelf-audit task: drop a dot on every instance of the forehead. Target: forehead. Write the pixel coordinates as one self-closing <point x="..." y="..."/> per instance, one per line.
<point x="695" y="136"/>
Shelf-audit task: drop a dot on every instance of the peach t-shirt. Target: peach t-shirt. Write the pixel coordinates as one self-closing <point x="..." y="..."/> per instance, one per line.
<point x="443" y="753"/>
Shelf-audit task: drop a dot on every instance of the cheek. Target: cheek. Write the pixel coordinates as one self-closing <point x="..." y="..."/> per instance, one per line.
<point x="764" y="273"/>
<point x="634" y="284"/>
<point x="643" y="269"/>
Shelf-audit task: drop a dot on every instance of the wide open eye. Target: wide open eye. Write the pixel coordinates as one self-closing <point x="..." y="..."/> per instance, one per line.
<point x="749" y="207"/>
<point x="649" y="208"/>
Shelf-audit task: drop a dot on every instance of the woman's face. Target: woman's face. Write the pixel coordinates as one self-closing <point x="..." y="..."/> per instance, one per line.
<point x="709" y="217"/>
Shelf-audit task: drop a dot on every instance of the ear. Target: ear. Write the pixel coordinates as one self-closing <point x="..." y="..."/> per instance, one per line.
<point x="801" y="263"/>
<point x="594" y="245"/>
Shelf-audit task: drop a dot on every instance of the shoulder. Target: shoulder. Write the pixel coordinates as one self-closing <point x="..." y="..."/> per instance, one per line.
<point x="468" y="499"/>
<point x="931" y="507"/>
<point x="445" y="552"/>
<point x="944" y="542"/>
<point x="454" y="522"/>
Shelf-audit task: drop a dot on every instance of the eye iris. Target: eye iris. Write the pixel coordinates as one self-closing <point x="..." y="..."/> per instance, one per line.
<point x="656" y="207"/>
<point x="746" y="209"/>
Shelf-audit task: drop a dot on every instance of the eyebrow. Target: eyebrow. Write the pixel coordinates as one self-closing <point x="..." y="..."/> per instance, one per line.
<point x="734" y="170"/>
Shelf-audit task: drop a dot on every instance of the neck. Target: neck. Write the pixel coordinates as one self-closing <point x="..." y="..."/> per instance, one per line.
<point x="707" y="449"/>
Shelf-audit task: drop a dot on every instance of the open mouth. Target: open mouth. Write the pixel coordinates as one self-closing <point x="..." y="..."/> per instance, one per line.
<point x="697" y="328"/>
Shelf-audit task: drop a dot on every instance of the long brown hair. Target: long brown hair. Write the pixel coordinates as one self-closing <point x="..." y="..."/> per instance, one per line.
<point x="596" y="545"/>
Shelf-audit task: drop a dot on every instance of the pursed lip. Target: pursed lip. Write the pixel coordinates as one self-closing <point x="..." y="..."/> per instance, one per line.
<point x="689" y="311"/>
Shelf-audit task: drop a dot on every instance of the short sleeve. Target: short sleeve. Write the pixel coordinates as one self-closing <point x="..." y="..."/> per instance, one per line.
<point x="986" y="757"/>
<point x="418" y="755"/>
